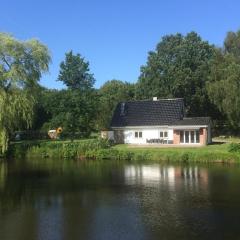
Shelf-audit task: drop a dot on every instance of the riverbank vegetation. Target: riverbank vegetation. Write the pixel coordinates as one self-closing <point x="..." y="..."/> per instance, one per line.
<point x="181" y="66"/>
<point x="100" y="149"/>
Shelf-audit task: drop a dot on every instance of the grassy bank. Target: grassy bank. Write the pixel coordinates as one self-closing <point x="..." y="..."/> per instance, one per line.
<point x="210" y="153"/>
<point x="101" y="149"/>
<point x="56" y="149"/>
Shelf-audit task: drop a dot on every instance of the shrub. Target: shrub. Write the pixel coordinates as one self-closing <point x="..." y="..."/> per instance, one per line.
<point x="234" y="147"/>
<point x="59" y="149"/>
<point x="185" y="157"/>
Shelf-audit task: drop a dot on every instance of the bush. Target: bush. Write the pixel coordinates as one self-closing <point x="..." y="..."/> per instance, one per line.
<point x="59" y="149"/>
<point x="234" y="147"/>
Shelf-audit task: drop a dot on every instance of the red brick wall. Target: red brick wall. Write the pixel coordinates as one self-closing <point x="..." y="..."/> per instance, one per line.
<point x="203" y="136"/>
<point x="176" y="137"/>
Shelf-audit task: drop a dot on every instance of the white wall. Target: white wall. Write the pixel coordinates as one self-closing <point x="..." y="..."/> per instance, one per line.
<point x="129" y="135"/>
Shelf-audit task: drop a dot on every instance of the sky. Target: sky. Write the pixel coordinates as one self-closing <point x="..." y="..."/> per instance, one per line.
<point x="114" y="36"/>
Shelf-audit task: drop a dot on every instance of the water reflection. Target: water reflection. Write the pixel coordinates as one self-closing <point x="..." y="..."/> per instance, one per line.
<point x="3" y="173"/>
<point x="117" y="200"/>
<point x="171" y="175"/>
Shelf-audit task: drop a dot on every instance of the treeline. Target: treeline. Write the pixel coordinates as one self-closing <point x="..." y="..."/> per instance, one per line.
<point x="186" y="66"/>
<point x="206" y="76"/>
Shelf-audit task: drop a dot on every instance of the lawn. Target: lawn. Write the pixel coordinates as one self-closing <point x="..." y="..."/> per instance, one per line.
<point x="214" y="152"/>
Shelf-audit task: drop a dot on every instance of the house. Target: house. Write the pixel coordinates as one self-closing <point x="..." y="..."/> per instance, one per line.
<point x="158" y="121"/>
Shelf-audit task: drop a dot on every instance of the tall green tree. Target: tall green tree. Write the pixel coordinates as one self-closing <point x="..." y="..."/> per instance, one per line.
<point x="74" y="108"/>
<point x="110" y="94"/>
<point x="179" y="67"/>
<point x="232" y="44"/>
<point x="75" y="73"/>
<point x="21" y="66"/>
<point x="224" y="81"/>
<point x="71" y="110"/>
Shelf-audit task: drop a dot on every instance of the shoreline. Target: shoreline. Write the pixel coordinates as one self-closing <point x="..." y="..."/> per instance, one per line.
<point x="101" y="149"/>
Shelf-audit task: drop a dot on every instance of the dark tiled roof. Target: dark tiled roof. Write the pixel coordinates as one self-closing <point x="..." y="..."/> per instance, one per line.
<point x="193" y="121"/>
<point x="148" y="113"/>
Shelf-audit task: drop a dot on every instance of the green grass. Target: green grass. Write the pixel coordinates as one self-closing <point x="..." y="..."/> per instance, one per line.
<point x="100" y="149"/>
<point x="210" y="153"/>
<point x="227" y="139"/>
<point x="56" y="149"/>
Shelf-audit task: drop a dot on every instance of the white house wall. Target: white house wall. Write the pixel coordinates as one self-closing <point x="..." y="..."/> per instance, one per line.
<point x="129" y="135"/>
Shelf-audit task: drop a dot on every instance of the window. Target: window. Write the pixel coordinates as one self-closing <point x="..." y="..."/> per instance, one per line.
<point x="181" y="136"/>
<point x="138" y="134"/>
<point x="163" y="134"/>
<point x="122" y="109"/>
<point x="192" y="136"/>
<point x="189" y="136"/>
<point x="186" y="136"/>
<point x="197" y="136"/>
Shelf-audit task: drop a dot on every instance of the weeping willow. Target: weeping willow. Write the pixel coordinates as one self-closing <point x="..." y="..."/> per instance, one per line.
<point x="16" y="110"/>
<point x="21" y="66"/>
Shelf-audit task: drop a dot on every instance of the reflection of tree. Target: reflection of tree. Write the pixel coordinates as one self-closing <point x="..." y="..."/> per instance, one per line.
<point x="58" y="197"/>
<point x="101" y="200"/>
<point x="3" y="174"/>
<point x="167" y="196"/>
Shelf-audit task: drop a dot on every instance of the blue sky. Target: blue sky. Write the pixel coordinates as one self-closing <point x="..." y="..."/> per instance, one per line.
<point x="114" y="36"/>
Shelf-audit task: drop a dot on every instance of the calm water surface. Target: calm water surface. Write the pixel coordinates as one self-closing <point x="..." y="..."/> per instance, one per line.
<point x="51" y="199"/>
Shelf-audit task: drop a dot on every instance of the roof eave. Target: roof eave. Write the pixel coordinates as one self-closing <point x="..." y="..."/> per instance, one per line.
<point x="161" y="126"/>
<point x="188" y="126"/>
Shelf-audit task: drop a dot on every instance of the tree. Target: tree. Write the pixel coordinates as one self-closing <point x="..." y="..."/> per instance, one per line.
<point x="74" y="108"/>
<point x="44" y="99"/>
<point x="71" y="110"/>
<point x="232" y="44"/>
<point x="74" y="72"/>
<point x="224" y="85"/>
<point x="110" y="94"/>
<point x="179" y="67"/>
<point x="21" y="66"/>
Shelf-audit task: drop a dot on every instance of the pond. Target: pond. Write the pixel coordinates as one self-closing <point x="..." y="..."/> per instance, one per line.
<point x="53" y="199"/>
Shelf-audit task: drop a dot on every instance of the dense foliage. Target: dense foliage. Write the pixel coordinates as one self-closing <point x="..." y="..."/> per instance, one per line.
<point x="179" y="67"/>
<point x="224" y="85"/>
<point x="73" y="111"/>
<point x="21" y="66"/>
<point x="74" y="72"/>
<point x="110" y="94"/>
<point x="74" y="108"/>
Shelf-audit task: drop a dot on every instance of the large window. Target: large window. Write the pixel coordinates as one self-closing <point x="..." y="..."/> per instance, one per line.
<point x="189" y="136"/>
<point x="138" y="134"/>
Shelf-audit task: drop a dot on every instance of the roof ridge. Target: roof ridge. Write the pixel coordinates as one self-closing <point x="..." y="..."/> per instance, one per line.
<point x="150" y="100"/>
<point x="196" y="117"/>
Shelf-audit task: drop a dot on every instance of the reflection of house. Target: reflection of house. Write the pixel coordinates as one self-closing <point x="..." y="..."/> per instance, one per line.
<point x="158" y="121"/>
<point x="172" y="175"/>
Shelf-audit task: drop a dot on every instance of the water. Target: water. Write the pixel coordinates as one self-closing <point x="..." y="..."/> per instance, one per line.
<point x="50" y="199"/>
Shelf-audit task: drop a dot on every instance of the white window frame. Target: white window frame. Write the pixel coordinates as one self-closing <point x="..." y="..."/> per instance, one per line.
<point x="138" y="133"/>
<point x="189" y="136"/>
<point x="163" y="132"/>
